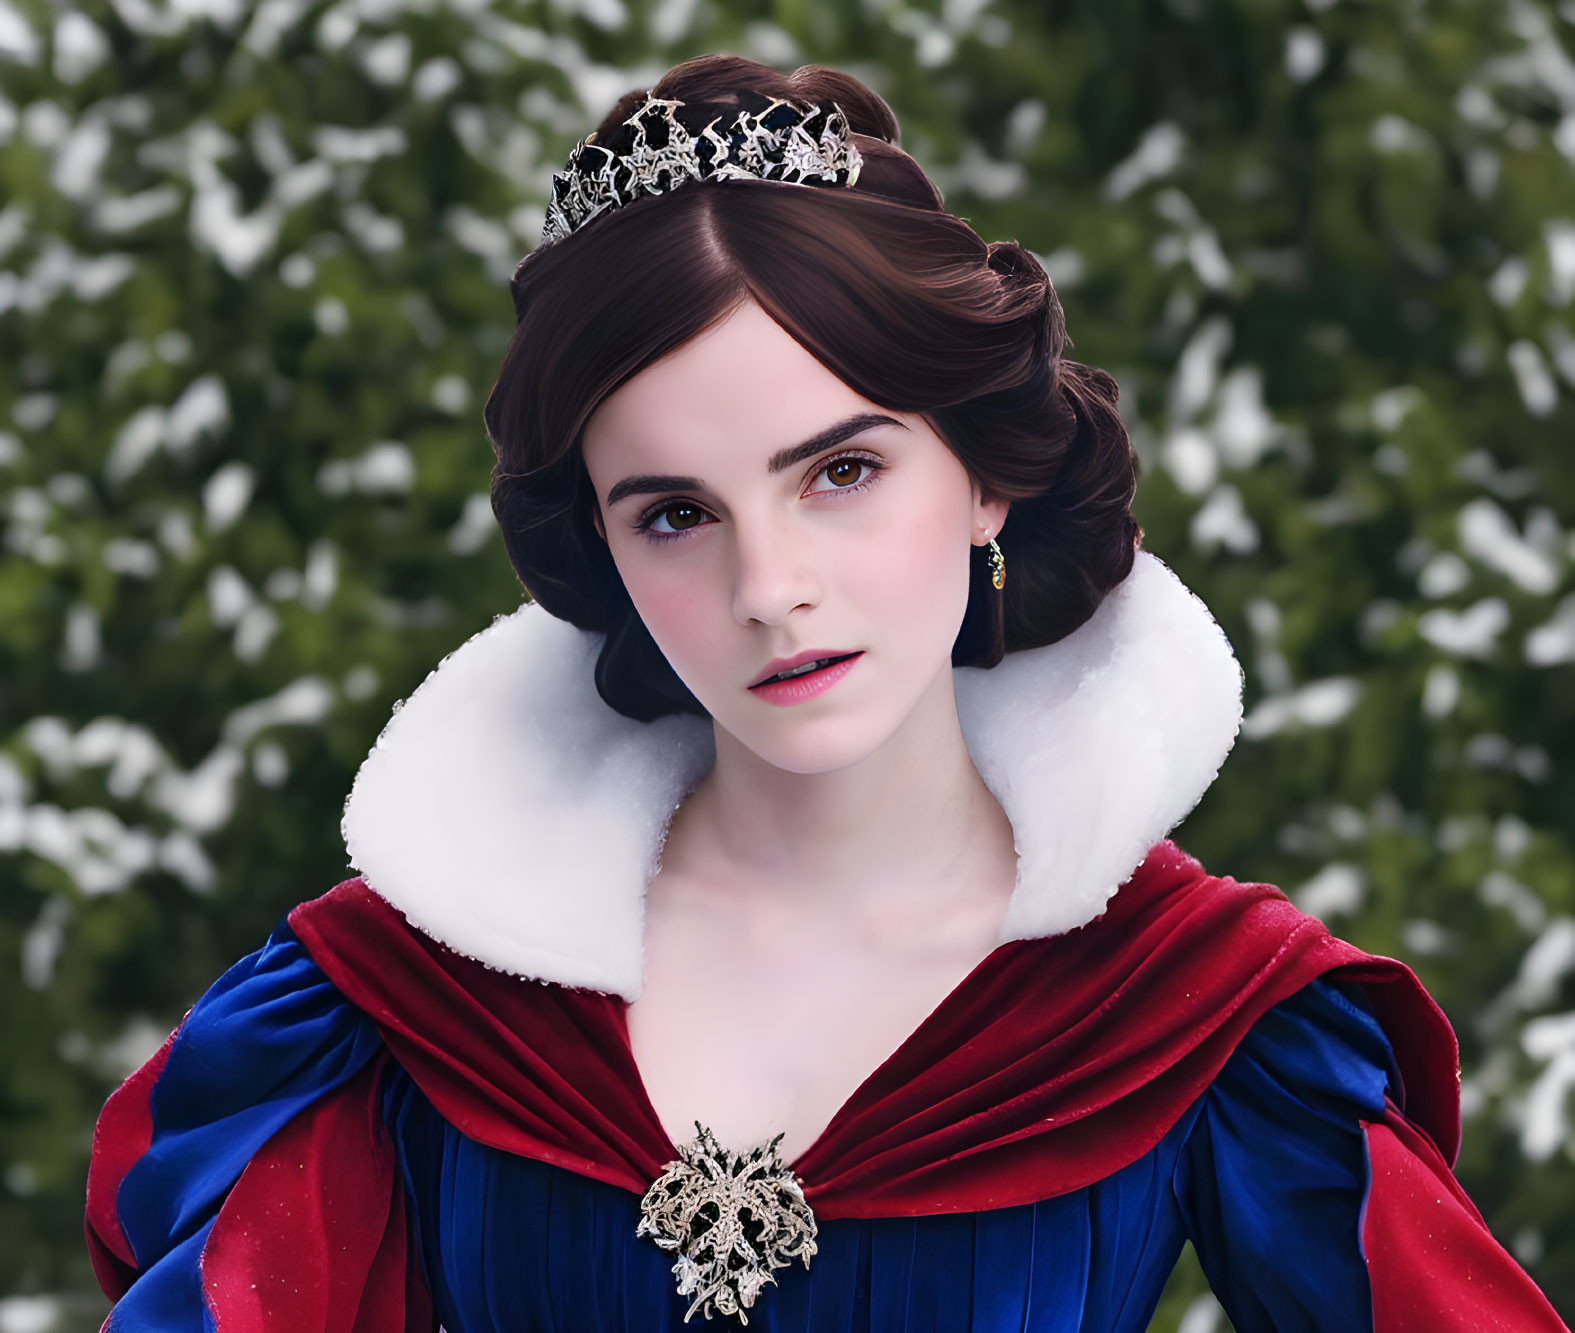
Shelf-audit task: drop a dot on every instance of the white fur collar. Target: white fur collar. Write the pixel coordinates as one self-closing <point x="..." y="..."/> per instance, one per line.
<point x="512" y="815"/>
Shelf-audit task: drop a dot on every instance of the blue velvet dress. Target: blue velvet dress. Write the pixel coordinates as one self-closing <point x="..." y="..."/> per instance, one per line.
<point x="1266" y="1174"/>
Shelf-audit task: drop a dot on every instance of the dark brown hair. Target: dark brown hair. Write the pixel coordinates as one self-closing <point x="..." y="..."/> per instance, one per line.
<point x="901" y="300"/>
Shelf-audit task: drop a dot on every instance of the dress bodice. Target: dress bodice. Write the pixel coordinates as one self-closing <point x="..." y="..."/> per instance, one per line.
<point x="513" y="1245"/>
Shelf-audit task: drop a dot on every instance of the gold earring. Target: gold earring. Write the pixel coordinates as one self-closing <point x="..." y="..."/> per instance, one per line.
<point x="997" y="565"/>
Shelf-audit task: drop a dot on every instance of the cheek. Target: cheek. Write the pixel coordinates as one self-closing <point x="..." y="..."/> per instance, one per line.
<point x="675" y="610"/>
<point x="918" y="560"/>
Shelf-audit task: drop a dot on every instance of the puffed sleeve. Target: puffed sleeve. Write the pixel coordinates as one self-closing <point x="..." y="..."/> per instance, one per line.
<point x="1314" y="1205"/>
<point x="243" y="1178"/>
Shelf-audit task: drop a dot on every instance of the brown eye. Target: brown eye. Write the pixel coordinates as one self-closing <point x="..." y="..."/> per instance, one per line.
<point x="848" y="468"/>
<point x="673" y="519"/>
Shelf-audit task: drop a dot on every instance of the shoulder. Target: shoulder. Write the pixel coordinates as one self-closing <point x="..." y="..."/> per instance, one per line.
<point x="353" y="931"/>
<point x="1217" y="941"/>
<point x="1322" y="1047"/>
<point x="387" y="966"/>
<point x="1171" y="890"/>
<point x="350" y="904"/>
<point x="1239" y="960"/>
<point x="273" y="1019"/>
<point x="423" y="994"/>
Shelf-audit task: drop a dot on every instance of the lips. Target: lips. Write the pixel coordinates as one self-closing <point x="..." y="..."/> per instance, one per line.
<point x="800" y="664"/>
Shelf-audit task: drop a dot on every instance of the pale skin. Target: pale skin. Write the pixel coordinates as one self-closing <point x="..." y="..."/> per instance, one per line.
<point x="843" y="866"/>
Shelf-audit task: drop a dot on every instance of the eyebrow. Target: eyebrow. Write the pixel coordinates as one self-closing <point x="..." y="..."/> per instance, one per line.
<point x="830" y="438"/>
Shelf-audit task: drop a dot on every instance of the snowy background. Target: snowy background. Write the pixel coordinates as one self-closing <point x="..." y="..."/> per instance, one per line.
<point x="252" y="294"/>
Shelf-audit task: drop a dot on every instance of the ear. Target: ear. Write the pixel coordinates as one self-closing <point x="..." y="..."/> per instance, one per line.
<point x="989" y="517"/>
<point x="596" y="519"/>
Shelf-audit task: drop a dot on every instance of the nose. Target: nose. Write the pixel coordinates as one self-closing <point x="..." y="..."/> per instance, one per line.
<point x="772" y="575"/>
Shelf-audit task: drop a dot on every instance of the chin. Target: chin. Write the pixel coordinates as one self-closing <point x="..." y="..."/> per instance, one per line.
<point x="814" y="745"/>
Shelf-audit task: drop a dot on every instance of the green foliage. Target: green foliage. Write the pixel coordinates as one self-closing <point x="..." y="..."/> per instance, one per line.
<point x="254" y="291"/>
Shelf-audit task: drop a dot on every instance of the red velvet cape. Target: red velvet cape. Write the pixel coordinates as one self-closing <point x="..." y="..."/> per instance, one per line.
<point x="1055" y="1063"/>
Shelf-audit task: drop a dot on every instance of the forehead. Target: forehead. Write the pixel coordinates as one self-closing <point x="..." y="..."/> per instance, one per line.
<point x="745" y="382"/>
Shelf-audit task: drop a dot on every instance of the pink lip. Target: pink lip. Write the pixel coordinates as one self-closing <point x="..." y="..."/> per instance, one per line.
<point x="807" y="686"/>
<point x="798" y="659"/>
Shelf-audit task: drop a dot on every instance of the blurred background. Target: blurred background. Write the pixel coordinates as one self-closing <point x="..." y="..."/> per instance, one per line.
<point x="253" y="266"/>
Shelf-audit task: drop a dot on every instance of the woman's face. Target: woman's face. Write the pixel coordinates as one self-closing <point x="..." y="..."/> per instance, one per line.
<point x="757" y="509"/>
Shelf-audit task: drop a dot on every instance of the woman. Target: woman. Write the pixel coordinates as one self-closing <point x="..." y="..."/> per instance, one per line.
<point x="818" y="801"/>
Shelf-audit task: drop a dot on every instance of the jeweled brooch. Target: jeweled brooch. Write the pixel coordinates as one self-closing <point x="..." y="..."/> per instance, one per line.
<point x="732" y="1218"/>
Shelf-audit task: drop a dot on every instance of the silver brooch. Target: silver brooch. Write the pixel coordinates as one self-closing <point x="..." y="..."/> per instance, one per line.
<point x="731" y="1218"/>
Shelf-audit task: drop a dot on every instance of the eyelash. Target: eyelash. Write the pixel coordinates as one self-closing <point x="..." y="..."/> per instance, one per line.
<point x="873" y="466"/>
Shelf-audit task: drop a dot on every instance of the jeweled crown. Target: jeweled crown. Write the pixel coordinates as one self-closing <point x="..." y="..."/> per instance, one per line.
<point x="802" y="145"/>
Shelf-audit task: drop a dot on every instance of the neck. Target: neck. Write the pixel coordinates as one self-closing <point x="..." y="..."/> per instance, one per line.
<point x="910" y="824"/>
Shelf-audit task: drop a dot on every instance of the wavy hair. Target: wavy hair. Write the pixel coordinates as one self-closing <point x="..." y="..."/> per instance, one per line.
<point x="901" y="300"/>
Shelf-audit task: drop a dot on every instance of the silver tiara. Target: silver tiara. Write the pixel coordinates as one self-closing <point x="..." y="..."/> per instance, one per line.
<point x="784" y="142"/>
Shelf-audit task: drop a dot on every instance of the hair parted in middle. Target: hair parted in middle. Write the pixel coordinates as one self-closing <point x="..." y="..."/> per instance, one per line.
<point x="898" y="298"/>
